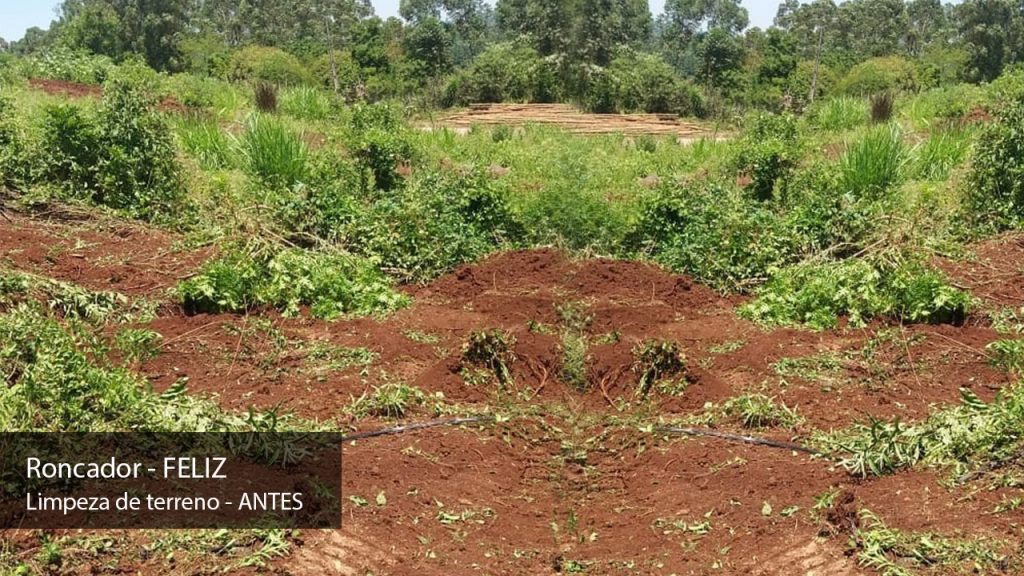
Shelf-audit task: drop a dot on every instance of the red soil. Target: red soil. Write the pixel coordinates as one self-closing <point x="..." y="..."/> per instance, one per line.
<point x="77" y="90"/>
<point x="570" y="481"/>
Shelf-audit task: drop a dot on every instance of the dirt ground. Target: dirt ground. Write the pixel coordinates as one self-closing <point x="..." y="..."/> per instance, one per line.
<point x="569" y="480"/>
<point x="571" y="119"/>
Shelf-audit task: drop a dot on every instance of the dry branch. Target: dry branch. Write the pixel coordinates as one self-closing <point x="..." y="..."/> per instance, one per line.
<point x="754" y="440"/>
<point x="417" y="426"/>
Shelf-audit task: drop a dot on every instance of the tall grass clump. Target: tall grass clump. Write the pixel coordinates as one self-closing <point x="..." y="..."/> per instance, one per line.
<point x="306" y="103"/>
<point x="273" y="153"/>
<point x="206" y="142"/>
<point x="840" y="114"/>
<point x="944" y="150"/>
<point x="873" y="164"/>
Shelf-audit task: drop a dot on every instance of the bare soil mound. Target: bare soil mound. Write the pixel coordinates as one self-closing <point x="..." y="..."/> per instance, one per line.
<point x="996" y="272"/>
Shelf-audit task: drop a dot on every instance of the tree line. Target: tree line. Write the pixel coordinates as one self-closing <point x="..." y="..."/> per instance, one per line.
<point x="584" y="50"/>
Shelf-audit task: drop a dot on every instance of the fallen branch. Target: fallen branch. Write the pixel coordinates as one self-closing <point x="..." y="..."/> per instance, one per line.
<point x="417" y="426"/>
<point x="755" y="440"/>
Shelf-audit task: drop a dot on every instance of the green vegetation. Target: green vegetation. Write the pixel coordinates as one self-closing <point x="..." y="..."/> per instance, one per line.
<point x="974" y="435"/>
<point x="896" y="553"/>
<point x="391" y="400"/>
<point x="331" y="284"/>
<point x="760" y="411"/>
<point x="59" y="380"/>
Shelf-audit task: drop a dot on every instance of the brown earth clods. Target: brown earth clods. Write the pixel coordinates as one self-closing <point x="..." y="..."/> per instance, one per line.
<point x="572" y="480"/>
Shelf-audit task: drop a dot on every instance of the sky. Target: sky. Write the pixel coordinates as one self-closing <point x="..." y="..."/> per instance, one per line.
<point x="18" y="15"/>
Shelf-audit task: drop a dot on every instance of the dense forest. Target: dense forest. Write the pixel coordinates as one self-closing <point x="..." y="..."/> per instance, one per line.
<point x="699" y="57"/>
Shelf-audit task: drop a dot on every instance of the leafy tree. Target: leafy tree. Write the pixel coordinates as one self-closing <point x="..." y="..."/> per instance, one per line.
<point x="685" y="22"/>
<point x="985" y="28"/>
<point x="429" y="46"/>
<point x="873" y="27"/>
<point x="926" y="24"/>
<point x="720" y="56"/>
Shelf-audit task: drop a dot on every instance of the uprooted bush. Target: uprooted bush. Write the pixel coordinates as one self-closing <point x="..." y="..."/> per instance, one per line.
<point x="817" y="294"/>
<point x="58" y="379"/>
<point x="330" y="283"/>
<point x="974" y="435"/>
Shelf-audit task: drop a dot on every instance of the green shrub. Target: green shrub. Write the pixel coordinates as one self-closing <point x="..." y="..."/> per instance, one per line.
<point x="947" y="105"/>
<point x="273" y="153"/>
<point x="380" y="142"/>
<point x="72" y="146"/>
<point x="13" y="167"/>
<point x="890" y="73"/>
<point x="321" y="208"/>
<point x="61" y="63"/>
<point x="769" y="151"/>
<point x="798" y="84"/>
<point x="573" y="216"/>
<point x="504" y="72"/>
<point x="197" y="91"/>
<point x="332" y="284"/>
<point x="638" y="82"/>
<point x="716" y="234"/>
<point x="995" y="195"/>
<point x="1006" y="90"/>
<point x="873" y="165"/>
<point x="818" y="294"/>
<point x="138" y="170"/>
<point x="122" y="157"/>
<point x="435" y="224"/>
<point x="262" y="63"/>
